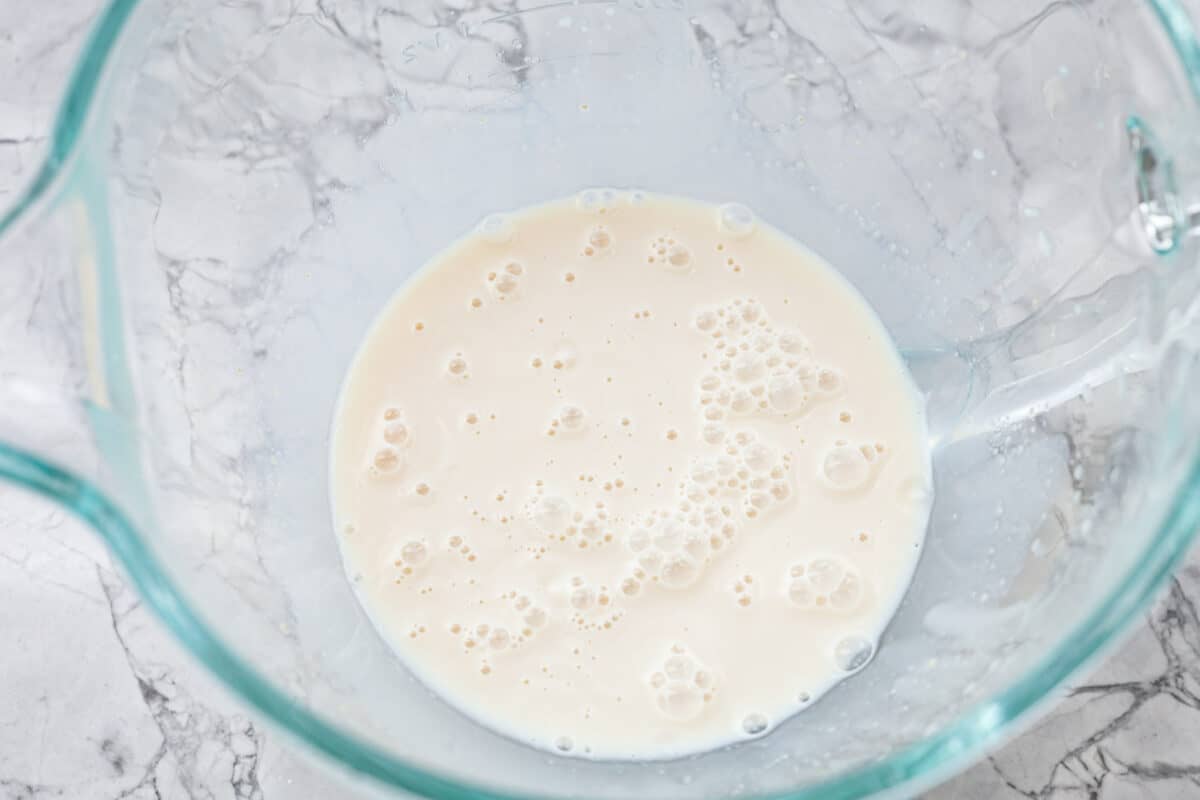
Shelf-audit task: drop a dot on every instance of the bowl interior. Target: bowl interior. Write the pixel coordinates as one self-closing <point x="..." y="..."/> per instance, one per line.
<point x="273" y="177"/>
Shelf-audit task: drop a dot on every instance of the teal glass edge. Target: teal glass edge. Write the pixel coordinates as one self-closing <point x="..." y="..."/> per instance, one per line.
<point x="921" y="762"/>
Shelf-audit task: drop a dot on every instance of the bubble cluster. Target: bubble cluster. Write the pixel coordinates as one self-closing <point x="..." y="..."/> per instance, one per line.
<point x="393" y="437"/>
<point x="673" y="546"/>
<point x="559" y="519"/>
<point x="847" y="467"/>
<point x="550" y="514"/>
<point x="599" y="201"/>
<point x="457" y="543"/>
<point x="681" y="685"/>
<point x="598" y="242"/>
<point x="564" y="357"/>
<point x="569" y="420"/>
<point x="486" y="640"/>
<point x="457" y="367"/>
<point x="762" y="473"/>
<point x="386" y="460"/>
<point x="592" y="607"/>
<point x="410" y="557"/>
<point x="666" y="252"/>
<point x="505" y="282"/>
<point x="744" y="590"/>
<point x="533" y="616"/>
<point x="758" y="369"/>
<point x="827" y="583"/>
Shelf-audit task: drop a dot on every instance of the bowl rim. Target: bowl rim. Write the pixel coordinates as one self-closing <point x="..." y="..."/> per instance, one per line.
<point x="910" y="768"/>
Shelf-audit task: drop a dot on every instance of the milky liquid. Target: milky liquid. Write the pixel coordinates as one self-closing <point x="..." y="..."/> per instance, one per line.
<point x="629" y="476"/>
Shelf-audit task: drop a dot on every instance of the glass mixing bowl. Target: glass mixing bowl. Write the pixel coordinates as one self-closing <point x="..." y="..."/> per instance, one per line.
<point x="234" y="189"/>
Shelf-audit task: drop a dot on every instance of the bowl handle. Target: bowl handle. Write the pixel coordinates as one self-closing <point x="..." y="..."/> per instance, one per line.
<point x="67" y="412"/>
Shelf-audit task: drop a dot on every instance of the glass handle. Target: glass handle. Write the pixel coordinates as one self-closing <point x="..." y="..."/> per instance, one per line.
<point x="1158" y="208"/>
<point x="58" y="401"/>
<point x="1162" y="211"/>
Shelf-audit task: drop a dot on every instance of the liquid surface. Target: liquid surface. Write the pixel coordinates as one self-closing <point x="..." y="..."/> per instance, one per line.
<point x="628" y="476"/>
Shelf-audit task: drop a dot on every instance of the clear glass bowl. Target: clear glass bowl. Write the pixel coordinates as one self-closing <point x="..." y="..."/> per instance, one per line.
<point x="234" y="189"/>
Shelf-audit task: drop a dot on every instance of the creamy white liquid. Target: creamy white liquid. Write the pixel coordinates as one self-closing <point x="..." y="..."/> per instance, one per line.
<point x="629" y="476"/>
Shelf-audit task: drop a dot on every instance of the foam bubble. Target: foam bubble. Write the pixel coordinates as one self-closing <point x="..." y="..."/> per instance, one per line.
<point x="758" y="457"/>
<point x="387" y="460"/>
<point x="695" y="544"/>
<point x="505" y="282"/>
<point x="792" y="343"/>
<point x="848" y="593"/>
<point x="564" y="744"/>
<point x="826" y="583"/>
<point x="571" y="417"/>
<point x="681" y="684"/>
<point x="754" y="724"/>
<point x="678" y="666"/>
<point x="396" y="433"/>
<point x="829" y="381"/>
<point x="735" y="220"/>
<point x="499" y="639"/>
<point x="414" y="552"/>
<point x="590" y="527"/>
<point x="599" y="239"/>
<point x="679" y="572"/>
<point x="852" y="653"/>
<point x="564" y="357"/>
<point x="668" y="536"/>
<point x="705" y="320"/>
<point x="748" y="367"/>
<point x="582" y="598"/>
<point x="786" y="394"/>
<point x="846" y="467"/>
<point x="713" y="433"/>
<point x="800" y="593"/>
<point x="599" y="200"/>
<point x="496" y="228"/>
<point x="680" y="701"/>
<point x="678" y="256"/>
<point x="824" y="574"/>
<point x="550" y="513"/>
<point x="638" y="540"/>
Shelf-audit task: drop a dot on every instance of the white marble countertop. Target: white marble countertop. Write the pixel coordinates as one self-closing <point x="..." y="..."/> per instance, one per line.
<point x="96" y="701"/>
